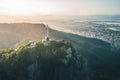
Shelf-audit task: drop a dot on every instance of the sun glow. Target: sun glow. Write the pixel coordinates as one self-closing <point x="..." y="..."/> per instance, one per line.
<point x="59" y="7"/>
<point x="22" y="7"/>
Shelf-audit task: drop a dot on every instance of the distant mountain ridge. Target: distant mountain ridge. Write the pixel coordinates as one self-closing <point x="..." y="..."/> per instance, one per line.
<point x="13" y="33"/>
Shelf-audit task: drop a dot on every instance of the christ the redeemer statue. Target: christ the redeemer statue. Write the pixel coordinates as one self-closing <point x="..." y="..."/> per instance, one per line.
<point x="47" y="33"/>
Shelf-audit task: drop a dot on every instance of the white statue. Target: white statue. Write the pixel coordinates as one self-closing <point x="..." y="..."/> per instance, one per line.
<point x="47" y="33"/>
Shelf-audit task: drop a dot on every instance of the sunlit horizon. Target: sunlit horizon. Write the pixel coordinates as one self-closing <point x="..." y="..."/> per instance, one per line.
<point x="56" y="7"/>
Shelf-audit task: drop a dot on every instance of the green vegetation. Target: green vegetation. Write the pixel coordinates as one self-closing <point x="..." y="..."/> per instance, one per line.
<point x="14" y="62"/>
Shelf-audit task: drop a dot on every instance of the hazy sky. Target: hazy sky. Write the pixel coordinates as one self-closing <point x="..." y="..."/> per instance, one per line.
<point x="59" y="7"/>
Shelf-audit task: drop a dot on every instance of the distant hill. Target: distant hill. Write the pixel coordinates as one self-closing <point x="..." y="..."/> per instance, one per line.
<point x="14" y="33"/>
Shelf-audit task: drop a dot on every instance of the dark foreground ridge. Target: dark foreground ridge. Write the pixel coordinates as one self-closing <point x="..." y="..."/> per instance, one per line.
<point x="42" y="60"/>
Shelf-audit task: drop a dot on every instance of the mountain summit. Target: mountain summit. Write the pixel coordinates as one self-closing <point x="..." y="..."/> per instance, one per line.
<point x="37" y="61"/>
